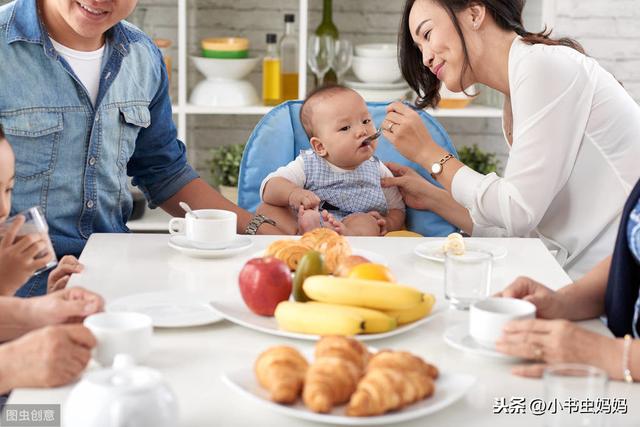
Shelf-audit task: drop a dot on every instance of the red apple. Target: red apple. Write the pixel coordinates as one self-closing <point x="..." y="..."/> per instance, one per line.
<point x="264" y="282"/>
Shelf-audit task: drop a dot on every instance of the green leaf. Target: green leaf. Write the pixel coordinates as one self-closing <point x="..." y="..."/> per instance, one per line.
<point x="225" y="164"/>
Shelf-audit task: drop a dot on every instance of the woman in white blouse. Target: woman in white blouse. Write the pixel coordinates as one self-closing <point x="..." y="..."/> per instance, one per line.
<point x="572" y="129"/>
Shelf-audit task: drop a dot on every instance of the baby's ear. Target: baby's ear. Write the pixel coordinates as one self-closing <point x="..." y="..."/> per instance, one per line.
<point x="318" y="147"/>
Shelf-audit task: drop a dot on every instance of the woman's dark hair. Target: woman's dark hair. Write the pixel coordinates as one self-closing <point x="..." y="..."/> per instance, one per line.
<point x="1" y="132"/>
<point x="506" y="13"/>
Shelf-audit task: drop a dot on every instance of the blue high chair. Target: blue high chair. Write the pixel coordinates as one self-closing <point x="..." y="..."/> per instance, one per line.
<point x="278" y="138"/>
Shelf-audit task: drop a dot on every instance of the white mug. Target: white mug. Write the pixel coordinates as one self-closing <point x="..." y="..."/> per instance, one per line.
<point x="488" y="317"/>
<point x="120" y="332"/>
<point x="211" y="228"/>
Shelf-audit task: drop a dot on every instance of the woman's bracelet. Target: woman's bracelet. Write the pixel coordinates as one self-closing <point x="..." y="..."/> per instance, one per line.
<point x="626" y="371"/>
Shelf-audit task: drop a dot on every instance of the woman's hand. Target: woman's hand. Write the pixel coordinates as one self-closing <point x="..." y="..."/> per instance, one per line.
<point x="20" y="257"/>
<point x="552" y="341"/>
<point x="549" y="304"/>
<point x="404" y="128"/>
<point x="417" y="192"/>
<point x="60" y="275"/>
<point x="64" y="306"/>
<point x="49" y="357"/>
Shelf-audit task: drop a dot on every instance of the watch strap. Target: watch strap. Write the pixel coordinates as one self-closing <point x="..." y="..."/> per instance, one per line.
<point x="256" y="222"/>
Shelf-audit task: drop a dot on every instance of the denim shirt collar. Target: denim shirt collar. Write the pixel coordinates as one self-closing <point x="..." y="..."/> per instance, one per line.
<point x="25" y="25"/>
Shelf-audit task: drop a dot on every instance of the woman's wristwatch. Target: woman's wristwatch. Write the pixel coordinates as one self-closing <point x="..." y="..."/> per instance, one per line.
<point x="437" y="167"/>
<point x="256" y="222"/>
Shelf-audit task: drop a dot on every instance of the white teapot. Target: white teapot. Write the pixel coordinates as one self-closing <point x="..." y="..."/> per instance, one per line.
<point x="122" y="396"/>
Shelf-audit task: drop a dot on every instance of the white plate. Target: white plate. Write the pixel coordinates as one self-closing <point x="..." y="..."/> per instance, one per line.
<point x="168" y="309"/>
<point x="181" y="244"/>
<point x="235" y="310"/>
<point x="449" y="388"/>
<point x="458" y="337"/>
<point x="432" y="250"/>
<point x="376" y="86"/>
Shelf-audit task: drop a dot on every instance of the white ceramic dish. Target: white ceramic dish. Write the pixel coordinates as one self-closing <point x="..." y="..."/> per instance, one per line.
<point x="459" y="338"/>
<point x="235" y="310"/>
<point x="231" y="69"/>
<point x="224" y="93"/>
<point x="449" y="388"/>
<point x="170" y="309"/>
<point x="376" y="70"/>
<point x="432" y="250"/>
<point x="182" y="245"/>
<point x="377" y="50"/>
<point x="371" y="256"/>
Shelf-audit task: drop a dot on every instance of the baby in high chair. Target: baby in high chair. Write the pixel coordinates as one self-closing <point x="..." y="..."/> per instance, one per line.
<point x="336" y="184"/>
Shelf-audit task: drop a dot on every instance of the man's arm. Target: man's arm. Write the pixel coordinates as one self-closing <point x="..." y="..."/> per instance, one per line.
<point x="200" y="195"/>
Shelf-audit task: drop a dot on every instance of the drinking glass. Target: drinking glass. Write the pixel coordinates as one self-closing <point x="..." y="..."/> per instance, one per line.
<point x="342" y="57"/>
<point x="566" y="387"/>
<point x="467" y="277"/>
<point x="35" y="223"/>
<point x="320" y="53"/>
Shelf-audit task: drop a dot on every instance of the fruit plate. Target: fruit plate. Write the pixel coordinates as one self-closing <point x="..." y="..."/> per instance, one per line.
<point x="449" y="388"/>
<point x="432" y="250"/>
<point x="371" y="256"/>
<point x="235" y="310"/>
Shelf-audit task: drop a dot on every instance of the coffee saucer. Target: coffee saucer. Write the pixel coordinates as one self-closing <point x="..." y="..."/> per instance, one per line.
<point x="185" y="246"/>
<point x="459" y="338"/>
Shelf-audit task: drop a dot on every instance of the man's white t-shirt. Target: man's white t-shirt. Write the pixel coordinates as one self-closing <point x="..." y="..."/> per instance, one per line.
<point x="86" y="65"/>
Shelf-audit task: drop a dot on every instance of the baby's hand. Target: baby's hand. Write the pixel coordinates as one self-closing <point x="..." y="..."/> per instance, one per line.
<point x="60" y="275"/>
<point x="305" y="198"/>
<point x="382" y="221"/>
<point x="18" y="259"/>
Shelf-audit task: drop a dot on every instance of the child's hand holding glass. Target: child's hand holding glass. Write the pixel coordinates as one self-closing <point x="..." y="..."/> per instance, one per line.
<point x="21" y="256"/>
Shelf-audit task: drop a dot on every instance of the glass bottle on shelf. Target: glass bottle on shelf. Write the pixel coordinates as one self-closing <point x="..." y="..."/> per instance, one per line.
<point x="328" y="28"/>
<point x="164" y="45"/>
<point x="271" y="79"/>
<point x="289" y="59"/>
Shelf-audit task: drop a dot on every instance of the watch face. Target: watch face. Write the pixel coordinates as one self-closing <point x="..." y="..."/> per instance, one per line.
<point x="436" y="168"/>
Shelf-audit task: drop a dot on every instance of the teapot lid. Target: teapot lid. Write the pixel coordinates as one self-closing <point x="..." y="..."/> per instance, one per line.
<point x="126" y="376"/>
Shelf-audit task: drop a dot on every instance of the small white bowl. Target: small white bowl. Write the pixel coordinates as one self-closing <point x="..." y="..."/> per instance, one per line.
<point x="377" y="50"/>
<point x="488" y="317"/>
<point x="229" y="69"/>
<point x="376" y="70"/>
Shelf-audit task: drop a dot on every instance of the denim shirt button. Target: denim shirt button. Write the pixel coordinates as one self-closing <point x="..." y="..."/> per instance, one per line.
<point x="90" y="204"/>
<point x="92" y="161"/>
<point x="97" y="119"/>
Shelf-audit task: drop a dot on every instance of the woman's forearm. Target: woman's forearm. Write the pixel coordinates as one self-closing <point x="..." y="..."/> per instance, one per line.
<point x="15" y="318"/>
<point x="584" y="299"/>
<point x="446" y="206"/>
<point x="277" y="191"/>
<point x="610" y="358"/>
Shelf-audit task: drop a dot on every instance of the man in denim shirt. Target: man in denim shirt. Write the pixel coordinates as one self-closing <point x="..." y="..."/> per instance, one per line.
<point x="84" y="99"/>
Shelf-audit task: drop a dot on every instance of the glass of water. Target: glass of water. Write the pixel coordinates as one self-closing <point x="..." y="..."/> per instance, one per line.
<point x="571" y="387"/>
<point x="467" y="278"/>
<point x="34" y="223"/>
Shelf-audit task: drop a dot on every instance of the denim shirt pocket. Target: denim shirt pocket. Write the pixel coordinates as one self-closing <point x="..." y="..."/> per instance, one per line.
<point x="133" y="118"/>
<point x="34" y="137"/>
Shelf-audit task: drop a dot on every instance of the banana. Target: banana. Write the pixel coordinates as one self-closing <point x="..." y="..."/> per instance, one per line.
<point x="375" y="322"/>
<point x="414" y="313"/>
<point x="312" y="319"/>
<point x="362" y="293"/>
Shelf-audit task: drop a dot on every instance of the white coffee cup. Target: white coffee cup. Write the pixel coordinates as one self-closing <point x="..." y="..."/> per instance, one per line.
<point x="210" y="228"/>
<point x="121" y="332"/>
<point x="488" y="317"/>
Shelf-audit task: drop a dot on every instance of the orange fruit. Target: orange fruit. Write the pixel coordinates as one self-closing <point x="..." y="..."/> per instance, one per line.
<point x="371" y="271"/>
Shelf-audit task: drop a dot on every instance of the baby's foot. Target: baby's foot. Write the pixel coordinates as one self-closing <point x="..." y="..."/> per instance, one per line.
<point x="331" y="222"/>
<point x="308" y="219"/>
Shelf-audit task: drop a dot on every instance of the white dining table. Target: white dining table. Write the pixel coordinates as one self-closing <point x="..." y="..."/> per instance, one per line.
<point x="193" y="359"/>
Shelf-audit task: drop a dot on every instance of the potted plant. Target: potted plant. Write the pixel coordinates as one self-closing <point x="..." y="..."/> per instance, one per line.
<point x="479" y="160"/>
<point x="225" y="168"/>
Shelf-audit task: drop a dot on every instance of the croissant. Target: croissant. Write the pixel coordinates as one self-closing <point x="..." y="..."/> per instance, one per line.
<point x="289" y="251"/>
<point x="314" y="237"/>
<point x="393" y="380"/>
<point x="402" y="360"/>
<point x="334" y="375"/>
<point x="281" y="370"/>
<point x="335" y="249"/>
